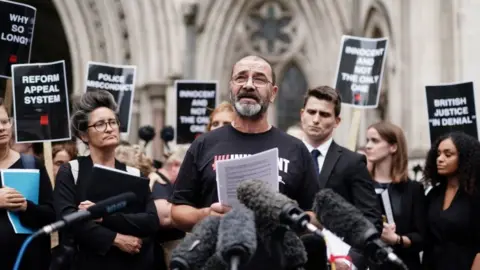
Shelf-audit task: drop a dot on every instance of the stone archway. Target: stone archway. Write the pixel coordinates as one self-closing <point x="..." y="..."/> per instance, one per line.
<point x="316" y="28"/>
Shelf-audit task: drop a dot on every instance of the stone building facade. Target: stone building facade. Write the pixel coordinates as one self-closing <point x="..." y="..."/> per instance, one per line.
<point x="430" y="41"/>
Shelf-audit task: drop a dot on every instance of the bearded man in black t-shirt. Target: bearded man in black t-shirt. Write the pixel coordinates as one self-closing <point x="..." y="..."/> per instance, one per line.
<point x="252" y="89"/>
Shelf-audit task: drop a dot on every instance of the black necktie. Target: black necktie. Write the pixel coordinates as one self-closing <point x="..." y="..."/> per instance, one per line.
<point x="315" y="154"/>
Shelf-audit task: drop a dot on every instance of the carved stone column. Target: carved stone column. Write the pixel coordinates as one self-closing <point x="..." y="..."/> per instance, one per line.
<point x="156" y="98"/>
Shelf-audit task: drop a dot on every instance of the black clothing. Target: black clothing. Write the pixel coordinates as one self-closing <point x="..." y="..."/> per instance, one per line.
<point x="196" y="183"/>
<point x="95" y="240"/>
<point x="160" y="190"/>
<point x="345" y="172"/>
<point x="407" y="201"/>
<point x="37" y="255"/>
<point x="453" y="235"/>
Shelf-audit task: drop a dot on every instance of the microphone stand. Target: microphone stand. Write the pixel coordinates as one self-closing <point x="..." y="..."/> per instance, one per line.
<point x="237" y="255"/>
<point x="234" y="262"/>
<point x="299" y="220"/>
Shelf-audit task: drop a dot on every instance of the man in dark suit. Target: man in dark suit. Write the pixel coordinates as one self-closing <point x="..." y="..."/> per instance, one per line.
<point x="340" y="169"/>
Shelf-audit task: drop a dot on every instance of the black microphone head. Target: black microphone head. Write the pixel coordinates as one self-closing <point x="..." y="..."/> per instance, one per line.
<point x="198" y="246"/>
<point x="316" y="249"/>
<point x="294" y="251"/>
<point x="237" y="235"/>
<point x="342" y="218"/>
<point x="146" y="133"/>
<point x="262" y="200"/>
<point x="167" y="134"/>
<point x="111" y="204"/>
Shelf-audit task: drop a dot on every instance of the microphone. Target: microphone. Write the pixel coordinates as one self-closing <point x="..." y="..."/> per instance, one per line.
<point x="100" y="209"/>
<point x="215" y="263"/>
<point x="257" y="195"/>
<point x="237" y="239"/>
<point x="316" y="249"/>
<point x="345" y="220"/>
<point x="197" y="247"/>
<point x="294" y="251"/>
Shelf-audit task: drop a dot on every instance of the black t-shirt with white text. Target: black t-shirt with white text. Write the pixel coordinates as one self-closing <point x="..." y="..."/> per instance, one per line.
<point x="196" y="182"/>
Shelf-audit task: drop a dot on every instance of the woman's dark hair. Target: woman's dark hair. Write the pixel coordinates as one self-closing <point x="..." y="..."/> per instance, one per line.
<point x="89" y="102"/>
<point x="468" y="149"/>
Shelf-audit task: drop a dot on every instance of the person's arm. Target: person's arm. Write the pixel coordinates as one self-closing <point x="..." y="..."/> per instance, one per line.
<point x="89" y="234"/>
<point x="38" y="215"/>
<point x="305" y="194"/>
<point x="186" y="195"/>
<point x="164" y="212"/>
<point x="184" y="217"/>
<point x="414" y="239"/>
<point x="363" y="192"/>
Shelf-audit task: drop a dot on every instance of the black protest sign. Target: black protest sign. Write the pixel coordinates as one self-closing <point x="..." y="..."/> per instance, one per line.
<point x="194" y="101"/>
<point x="451" y="107"/>
<point x="119" y="80"/>
<point x="360" y="69"/>
<point x="40" y="102"/>
<point x="17" y="22"/>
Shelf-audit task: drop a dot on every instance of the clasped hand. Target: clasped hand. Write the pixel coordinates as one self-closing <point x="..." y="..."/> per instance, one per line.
<point x="83" y="206"/>
<point x="12" y="200"/>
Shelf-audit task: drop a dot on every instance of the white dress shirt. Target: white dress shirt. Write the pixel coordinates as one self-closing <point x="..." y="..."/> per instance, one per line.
<point x="323" y="151"/>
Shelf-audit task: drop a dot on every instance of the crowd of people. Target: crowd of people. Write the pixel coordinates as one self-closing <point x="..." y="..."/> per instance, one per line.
<point x="443" y="225"/>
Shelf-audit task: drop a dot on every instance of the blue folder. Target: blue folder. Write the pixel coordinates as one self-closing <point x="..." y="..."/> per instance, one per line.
<point x="26" y="182"/>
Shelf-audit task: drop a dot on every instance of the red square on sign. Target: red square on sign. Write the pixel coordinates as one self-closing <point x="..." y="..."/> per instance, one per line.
<point x="44" y="120"/>
<point x="357" y="97"/>
<point x="12" y="58"/>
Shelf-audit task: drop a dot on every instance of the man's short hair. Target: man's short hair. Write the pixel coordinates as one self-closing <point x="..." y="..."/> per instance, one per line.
<point x="256" y="57"/>
<point x="325" y="93"/>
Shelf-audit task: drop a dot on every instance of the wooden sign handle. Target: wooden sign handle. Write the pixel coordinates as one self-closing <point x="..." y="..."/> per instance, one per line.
<point x="354" y="128"/>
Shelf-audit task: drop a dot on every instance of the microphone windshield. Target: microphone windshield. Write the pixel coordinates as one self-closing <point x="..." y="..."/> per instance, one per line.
<point x="111" y="204"/>
<point x="198" y="246"/>
<point x="262" y="200"/>
<point x="294" y="251"/>
<point x="237" y="235"/>
<point x="342" y="218"/>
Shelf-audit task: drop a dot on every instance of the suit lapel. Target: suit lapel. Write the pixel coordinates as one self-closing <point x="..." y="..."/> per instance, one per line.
<point x="395" y="192"/>
<point x="331" y="159"/>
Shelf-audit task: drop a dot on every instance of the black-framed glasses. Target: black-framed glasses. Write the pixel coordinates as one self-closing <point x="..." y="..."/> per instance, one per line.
<point x="6" y="122"/>
<point x="101" y="126"/>
<point x="258" y="81"/>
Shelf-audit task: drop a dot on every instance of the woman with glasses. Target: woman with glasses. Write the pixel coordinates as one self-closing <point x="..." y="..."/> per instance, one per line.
<point x="32" y="215"/>
<point x="99" y="244"/>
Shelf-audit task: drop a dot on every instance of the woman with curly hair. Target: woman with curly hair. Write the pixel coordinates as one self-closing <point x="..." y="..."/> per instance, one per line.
<point x="453" y="219"/>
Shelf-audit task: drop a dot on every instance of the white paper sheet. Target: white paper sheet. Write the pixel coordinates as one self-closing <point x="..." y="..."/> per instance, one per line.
<point x="230" y="173"/>
<point x="387" y="206"/>
<point x="336" y="246"/>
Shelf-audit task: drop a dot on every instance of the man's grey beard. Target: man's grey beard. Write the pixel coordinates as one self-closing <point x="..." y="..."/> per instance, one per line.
<point x="246" y="110"/>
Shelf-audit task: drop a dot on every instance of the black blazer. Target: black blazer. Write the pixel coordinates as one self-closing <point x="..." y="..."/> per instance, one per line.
<point x="95" y="240"/>
<point x="346" y="173"/>
<point x="409" y="211"/>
